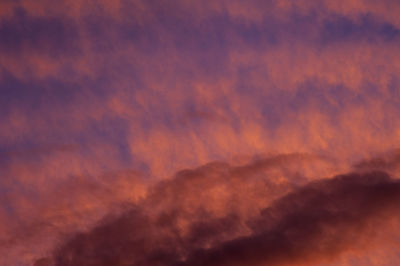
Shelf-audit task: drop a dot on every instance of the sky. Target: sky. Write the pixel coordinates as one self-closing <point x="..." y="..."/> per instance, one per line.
<point x="184" y="133"/>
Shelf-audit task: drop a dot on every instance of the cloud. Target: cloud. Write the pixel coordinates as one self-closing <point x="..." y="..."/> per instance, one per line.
<point x="315" y="222"/>
<point x="388" y="162"/>
<point x="36" y="217"/>
<point x="318" y="221"/>
<point x="51" y="36"/>
<point x="159" y="87"/>
<point x="366" y="28"/>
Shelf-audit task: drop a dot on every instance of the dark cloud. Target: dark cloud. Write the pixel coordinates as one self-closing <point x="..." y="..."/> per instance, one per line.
<point x="389" y="162"/>
<point x="34" y="95"/>
<point x="51" y="36"/>
<point x="28" y="153"/>
<point x="367" y="28"/>
<point x="316" y="221"/>
<point x="160" y="86"/>
<point x="319" y="220"/>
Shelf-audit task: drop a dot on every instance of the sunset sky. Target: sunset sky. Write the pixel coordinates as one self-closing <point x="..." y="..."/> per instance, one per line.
<point x="189" y="133"/>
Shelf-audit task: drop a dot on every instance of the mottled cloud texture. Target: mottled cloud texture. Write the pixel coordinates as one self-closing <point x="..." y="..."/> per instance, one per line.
<point x="148" y="132"/>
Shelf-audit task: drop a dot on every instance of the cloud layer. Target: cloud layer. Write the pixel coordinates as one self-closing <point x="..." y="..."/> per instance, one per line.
<point x="313" y="223"/>
<point x="104" y="104"/>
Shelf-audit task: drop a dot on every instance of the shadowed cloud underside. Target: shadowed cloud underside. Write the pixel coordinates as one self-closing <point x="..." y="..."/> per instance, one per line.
<point x="204" y="123"/>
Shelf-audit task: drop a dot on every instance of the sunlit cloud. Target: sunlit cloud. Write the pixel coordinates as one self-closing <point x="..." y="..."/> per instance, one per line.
<point x="202" y="115"/>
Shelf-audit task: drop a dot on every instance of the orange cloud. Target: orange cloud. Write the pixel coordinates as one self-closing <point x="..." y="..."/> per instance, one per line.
<point x="158" y="87"/>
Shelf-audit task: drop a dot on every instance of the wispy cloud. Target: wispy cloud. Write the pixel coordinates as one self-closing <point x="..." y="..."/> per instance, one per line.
<point x="219" y="87"/>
